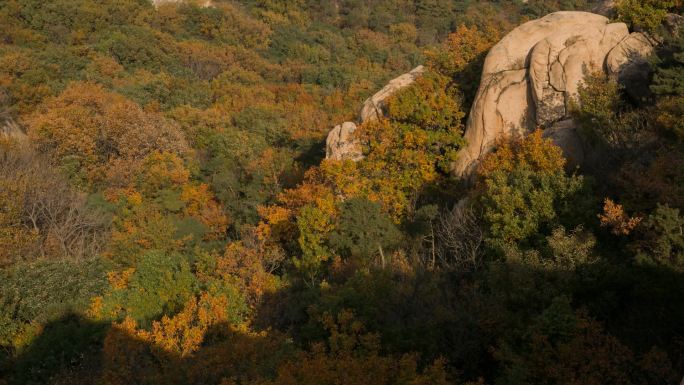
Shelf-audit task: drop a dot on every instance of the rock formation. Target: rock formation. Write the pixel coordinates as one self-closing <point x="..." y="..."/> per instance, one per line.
<point x="373" y="107"/>
<point x="201" y="3"/>
<point x="341" y="143"/>
<point x="531" y="76"/>
<point x="10" y="130"/>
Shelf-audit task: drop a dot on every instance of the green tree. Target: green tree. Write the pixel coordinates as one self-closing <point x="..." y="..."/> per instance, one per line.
<point x="668" y="85"/>
<point x="606" y="117"/>
<point x="646" y="14"/>
<point x="314" y="225"/>
<point x="160" y="284"/>
<point x="363" y="231"/>
<point x="663" y="239"/>
<point x="526" y="190"/>
<point x="35" y="293"/>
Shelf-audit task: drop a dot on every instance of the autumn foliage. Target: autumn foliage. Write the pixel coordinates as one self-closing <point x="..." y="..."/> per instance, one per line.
<point x="167" y="215"/>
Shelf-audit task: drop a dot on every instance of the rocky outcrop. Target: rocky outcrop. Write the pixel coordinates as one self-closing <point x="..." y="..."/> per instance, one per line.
<point x="373" y="107"/>
<point x="341" y="144"/>
<point x="201" y="3"/>
<point x="565" y="135"/>
<point x="10" y="130"/>
<point x="628" y="63"/>
<point x="531" y="76"/>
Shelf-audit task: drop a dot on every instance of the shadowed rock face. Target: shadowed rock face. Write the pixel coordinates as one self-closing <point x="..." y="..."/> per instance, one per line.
<point x="531" y="76"/>
<point x="574" y="148"/>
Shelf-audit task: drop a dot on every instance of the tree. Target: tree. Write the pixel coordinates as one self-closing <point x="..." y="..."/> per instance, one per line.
<point x="203" y="343"/>
<point x="412" y="147"/>
<point x="352" y="356"/>
<point x="645" y="14"/>
<point x="606" y="116"/>
<point x="87" y="127"/>
<point x="461" y="56"/>
<point x="525" y="190"/>
<point x="363" y="231"/>
<point x="583" y="353"/>
<point x="38" y="292"/>
<point x="461" y="238"/>
<point x="668" y="85"/>
<point x="44" y="216"/>
<point x="160" y="284"/>
<point x="314" y="225"/>
<point x="251" y="265"/>
<point x="663" y="239"/>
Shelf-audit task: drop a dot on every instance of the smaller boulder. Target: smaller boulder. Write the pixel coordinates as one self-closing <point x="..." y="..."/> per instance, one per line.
<point x="633" y="49"/>
<point x="10" y="130"/>
<point x="565" y="135"/>
<point x="628" y="62"/>
<point x="341" y="143"/>
<point x="373" y="107"/>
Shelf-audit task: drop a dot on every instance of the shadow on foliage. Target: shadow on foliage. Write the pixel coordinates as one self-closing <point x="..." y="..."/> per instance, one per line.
<point x="67" y="346"/>
<point x="478" y="321"/>
<point x="74" y="350"/>
<point x="485" y="324"/>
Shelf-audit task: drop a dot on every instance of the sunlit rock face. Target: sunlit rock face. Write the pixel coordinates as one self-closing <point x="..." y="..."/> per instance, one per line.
<point x="10" y="130"/>
<point x="531" y="76"/>
<point x="341" y="143"/>
<point x="373" y="107"/>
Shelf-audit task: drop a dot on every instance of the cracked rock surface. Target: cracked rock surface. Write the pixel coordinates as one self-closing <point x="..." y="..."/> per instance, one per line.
<point x="531" y="76"/>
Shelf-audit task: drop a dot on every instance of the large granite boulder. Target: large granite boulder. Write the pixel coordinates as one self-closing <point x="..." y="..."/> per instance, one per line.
<point x="531" y="76"/>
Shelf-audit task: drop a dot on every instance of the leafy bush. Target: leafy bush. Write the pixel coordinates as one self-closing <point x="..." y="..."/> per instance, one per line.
<point x="525" y="191"/>
<point x="363" y="230"/>
<point x="663" y="239"/>
<point x="43" y="291"/>
<point x="160" y="284"/>
<point x="645" y="14"/>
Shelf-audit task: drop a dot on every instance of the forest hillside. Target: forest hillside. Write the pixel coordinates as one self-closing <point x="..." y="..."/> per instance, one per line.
<point x="252" y="192"/>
